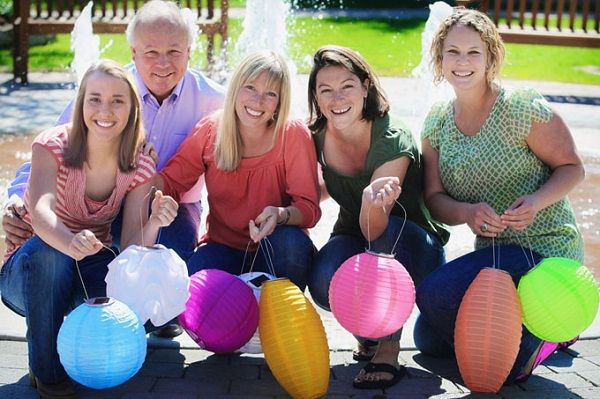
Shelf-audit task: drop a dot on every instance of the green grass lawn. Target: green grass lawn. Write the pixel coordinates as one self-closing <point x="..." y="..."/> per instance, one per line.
<point x="392" y="47"/>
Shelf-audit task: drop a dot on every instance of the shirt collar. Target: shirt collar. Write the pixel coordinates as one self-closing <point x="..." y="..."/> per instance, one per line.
<point x="145" y="93"/>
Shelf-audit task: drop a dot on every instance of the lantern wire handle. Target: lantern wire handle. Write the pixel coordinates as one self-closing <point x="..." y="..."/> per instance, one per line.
<point x="494" y="264"/>
<point x="244" y="260"/>
<point x="87" y="297"/>
<point x="399" y="234"/>
<point x="269" y="254"/>
<point x="530" y="262"/>
<point x="401" y="228"/>
<point x="265" y="246"/>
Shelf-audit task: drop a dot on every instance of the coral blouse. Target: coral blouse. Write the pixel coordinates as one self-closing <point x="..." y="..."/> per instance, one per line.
<point x="284" y="176"/>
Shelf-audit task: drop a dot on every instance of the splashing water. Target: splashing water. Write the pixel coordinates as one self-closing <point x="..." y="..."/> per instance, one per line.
<point x="84" y="44"/>
<point x="433" y="93"/>
<point x="265" y="28"/>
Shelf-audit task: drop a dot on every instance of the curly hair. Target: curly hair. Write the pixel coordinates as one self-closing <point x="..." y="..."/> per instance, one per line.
<point x="481" y="24"/>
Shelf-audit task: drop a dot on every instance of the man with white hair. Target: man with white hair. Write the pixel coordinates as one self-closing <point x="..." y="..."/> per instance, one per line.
<point x="173" y="99"/>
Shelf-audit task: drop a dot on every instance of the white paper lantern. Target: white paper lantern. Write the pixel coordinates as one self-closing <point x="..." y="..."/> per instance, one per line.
<point x="152" y="281"/>
<point x="254" y="280"/>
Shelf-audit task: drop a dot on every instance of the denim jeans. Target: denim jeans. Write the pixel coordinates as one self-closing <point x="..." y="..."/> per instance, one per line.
<point x="42" y="284"/>
<point x="418" y="250"/>
<point x="292" y="256"/>
<point x="440" y="294"/>
<point x="181" y="235"/>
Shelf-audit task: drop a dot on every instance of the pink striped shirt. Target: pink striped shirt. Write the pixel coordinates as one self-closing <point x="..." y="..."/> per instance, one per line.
<point x="73" y="207"/>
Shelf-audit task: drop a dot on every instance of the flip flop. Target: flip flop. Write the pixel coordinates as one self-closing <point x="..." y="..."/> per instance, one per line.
<point x="397" y="374"/>
<point x="363" y="353"/>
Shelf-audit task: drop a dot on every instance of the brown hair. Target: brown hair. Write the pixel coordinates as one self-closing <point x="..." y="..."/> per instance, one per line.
<point x="376" y="104"/>
<point x="481" y="24"/>
<point x="132" y="136"/>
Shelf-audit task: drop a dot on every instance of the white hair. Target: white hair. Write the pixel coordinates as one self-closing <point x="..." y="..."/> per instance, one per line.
<point x="167" y="11"/>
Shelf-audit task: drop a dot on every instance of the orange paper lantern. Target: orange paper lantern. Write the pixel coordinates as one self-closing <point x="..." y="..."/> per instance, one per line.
<point x="488" y="331"/>
<point x="293" y="340"/>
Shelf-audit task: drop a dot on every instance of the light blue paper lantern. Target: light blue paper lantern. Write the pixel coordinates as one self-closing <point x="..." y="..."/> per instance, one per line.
<point x="102" y="343"/>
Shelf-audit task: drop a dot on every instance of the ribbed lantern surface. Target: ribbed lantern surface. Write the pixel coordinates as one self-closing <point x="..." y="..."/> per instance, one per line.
<point x="221" y="314"/>
<point x="293" y="340"/>
<point x="371" y="295"/>
<point x="101" y="344"/>
<point x="487" y="334"/>
<point x="559" y="298"/>
<point x="153" y="282"/>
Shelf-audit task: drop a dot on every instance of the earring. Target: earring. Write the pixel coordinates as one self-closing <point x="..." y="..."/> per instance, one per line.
<point x="364" y="103"/>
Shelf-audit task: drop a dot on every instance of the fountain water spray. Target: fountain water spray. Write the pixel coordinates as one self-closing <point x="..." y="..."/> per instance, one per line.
<point x="439" y="11"/>
<point x="84" y="44"/>
<point x="265" y="28"/>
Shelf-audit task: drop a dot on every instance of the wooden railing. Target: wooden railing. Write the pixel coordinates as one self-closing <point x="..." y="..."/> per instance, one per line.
<point x="557" y="22"/>
<point x="108" y="16"/>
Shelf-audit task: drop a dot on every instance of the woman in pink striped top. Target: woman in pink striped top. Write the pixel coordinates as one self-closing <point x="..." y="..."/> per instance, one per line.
<point x="81" y="174"/>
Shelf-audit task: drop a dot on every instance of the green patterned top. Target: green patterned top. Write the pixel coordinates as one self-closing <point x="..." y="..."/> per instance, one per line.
<point x="496" y="166"/>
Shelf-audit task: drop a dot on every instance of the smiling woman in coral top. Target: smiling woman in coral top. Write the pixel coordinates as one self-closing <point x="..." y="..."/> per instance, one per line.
<point x="261" y="176"/>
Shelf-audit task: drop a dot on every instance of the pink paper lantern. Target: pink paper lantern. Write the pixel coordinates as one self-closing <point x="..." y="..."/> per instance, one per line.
<point x="371" y="295"/>
<point x="222" y="313"/>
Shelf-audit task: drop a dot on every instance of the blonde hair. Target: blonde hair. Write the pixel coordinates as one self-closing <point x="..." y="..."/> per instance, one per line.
<point x="481" y="24"/>
<point x="228" y="144"/>
<point x="376" y="103"/>
<point x="133" y="133"/>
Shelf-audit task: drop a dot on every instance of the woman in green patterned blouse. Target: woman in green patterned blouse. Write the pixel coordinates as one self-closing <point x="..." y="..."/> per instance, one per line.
<point x="500" y="161"/>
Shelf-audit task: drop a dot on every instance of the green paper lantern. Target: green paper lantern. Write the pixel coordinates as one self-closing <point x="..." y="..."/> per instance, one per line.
<point x="559" y="299"/>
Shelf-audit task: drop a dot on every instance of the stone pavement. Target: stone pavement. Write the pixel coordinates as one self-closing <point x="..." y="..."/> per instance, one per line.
<point x="178" y="369"/>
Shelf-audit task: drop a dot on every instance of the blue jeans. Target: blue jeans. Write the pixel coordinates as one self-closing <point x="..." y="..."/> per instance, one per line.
<point x="440" y="294"/>
<point x="292" y="255"/>
<point x="42" y="284"/>
<point x="181" y="235"/>
<point x="418" y="250"/>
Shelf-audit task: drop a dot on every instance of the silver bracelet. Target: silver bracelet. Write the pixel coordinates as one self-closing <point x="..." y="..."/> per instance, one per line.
<point x="286" y="219"/>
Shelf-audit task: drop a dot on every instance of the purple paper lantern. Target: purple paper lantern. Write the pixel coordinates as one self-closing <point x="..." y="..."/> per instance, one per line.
<point x="222" y="313"/>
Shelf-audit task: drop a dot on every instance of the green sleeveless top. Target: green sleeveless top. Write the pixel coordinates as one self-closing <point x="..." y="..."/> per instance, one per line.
<point x="496" y="166"/>
<point x="390" y="139"/>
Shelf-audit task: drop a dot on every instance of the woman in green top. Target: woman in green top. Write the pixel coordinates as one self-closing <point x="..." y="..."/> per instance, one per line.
<point x="369" y="161"/>
<point x="500" y="161"/>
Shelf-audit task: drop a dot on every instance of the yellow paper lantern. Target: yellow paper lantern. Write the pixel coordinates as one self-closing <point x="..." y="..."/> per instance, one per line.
<point x="293" y="340"/>
<point x="488" y="331"/>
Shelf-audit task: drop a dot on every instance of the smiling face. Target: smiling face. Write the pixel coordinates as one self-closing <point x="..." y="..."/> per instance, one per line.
<point x="106" y="106"/>
<point x="256" y="103"/>
<point x="161" y="53"/>
<point x="464" y="58"/>
<point x="340" y="96"/>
